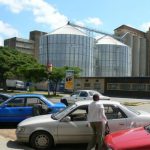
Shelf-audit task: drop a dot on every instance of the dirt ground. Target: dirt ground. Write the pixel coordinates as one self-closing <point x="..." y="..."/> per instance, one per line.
<point x="8" y="133"/>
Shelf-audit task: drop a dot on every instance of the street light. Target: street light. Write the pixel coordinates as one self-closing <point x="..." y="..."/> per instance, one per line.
<point x="49" y="70"/>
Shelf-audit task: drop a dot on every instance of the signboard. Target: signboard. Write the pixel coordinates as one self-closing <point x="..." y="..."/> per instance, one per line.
<point x="69" y="80"/>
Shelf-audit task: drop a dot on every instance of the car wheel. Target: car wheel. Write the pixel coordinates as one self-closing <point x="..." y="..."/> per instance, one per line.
<point x="41" y="140"/>
<point x="64" y="101"/>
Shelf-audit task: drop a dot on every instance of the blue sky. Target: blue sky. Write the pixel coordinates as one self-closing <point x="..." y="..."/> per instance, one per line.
<point x="19" y="17"/>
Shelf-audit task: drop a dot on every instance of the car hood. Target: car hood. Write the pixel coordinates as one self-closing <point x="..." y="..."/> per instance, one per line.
<point x="129" y="139"/>
<point x="36" y="120"/>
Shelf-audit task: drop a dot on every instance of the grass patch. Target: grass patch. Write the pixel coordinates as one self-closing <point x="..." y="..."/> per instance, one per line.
<point x="132" y="103"/>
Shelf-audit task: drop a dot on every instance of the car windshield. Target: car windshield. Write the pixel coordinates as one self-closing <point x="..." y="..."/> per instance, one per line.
<point x="65" y="111"/>
<point x="133" y="110"/>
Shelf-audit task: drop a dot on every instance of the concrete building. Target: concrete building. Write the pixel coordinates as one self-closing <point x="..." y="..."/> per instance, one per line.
<point x="148" y="51"/>
<point x="22" y="45"/>
<point x="136" y="39"/>
<point x="35" y="36"/>
<point x="28" y="46"/>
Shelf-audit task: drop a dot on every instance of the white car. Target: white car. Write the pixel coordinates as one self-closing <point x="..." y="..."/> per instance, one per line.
<point x="71" y="125"/>
<point x="82" y="95"/>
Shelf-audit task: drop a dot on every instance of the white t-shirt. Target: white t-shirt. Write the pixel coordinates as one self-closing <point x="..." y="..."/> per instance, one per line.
<point x="96" y="112"/>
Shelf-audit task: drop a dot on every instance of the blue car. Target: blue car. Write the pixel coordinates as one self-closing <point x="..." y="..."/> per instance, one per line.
<point x="22" y="106"/>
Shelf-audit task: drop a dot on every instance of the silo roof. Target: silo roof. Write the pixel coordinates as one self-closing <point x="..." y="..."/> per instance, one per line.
<point x="109" y="40"/>
<point x="68" y="29"/>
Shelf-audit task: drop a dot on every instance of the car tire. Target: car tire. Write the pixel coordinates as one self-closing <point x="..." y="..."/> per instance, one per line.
<point x="41" y="140"/>
<point x="64" y="101"/>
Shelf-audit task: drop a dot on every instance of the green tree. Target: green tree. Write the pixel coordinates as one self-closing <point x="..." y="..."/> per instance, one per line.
<point x="59" y="73"/>
<point x="17" y="65"/>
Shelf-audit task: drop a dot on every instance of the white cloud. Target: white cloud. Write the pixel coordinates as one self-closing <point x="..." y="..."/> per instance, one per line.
<point x="6" y="31"/>
<point x="145" y="26"/>
<point x="43" y="12"/>
<point x="95" y="21"/>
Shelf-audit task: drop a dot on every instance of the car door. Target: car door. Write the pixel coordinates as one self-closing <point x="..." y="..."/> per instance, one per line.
<point x="13" y="110"/>
<point x="34" y="106"/>
<point x="117" y="120"/>
<point x="76" y="130"/>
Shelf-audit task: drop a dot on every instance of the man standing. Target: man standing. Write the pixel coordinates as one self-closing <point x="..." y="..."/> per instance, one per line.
<point x="97" y="119"/>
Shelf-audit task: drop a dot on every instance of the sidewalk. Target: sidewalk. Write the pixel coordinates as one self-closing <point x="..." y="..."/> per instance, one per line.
<point x="10" y="144"/>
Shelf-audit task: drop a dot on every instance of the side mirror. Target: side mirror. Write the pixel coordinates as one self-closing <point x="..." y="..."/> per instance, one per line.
<point x="66" y="119"/>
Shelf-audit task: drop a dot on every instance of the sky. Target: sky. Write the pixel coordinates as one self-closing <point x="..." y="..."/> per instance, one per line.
<point x="19" y="17"/>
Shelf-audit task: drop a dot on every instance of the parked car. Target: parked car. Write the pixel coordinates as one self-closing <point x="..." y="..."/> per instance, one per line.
<point x="133" y="139"/>
<point x="71" y="125"/>
<point x="82" y="95"/>
<point x="4" y="97"/>
<point x="22" y="106"/>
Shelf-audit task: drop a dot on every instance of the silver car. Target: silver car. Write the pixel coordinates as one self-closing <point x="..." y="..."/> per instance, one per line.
<point x="82" y="95"/>
<point x="71" y="126"/>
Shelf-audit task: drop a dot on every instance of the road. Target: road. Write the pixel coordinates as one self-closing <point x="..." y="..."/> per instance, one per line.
<point x="8" y="138"/>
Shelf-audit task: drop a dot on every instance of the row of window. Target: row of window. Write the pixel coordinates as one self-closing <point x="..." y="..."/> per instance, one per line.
<point x="128" y="86"/>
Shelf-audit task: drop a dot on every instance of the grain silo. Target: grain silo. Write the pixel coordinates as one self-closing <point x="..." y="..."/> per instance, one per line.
<point x="68" y="46"/>
<point x="112" y="58"/>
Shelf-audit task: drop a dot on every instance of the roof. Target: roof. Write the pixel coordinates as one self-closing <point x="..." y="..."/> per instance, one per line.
<point x="85" y="102"/>
<point x="27" y="95"/>
<point x="130" y="28"/>
<point x="68" y="29"/>
<point x="109" y="40"/>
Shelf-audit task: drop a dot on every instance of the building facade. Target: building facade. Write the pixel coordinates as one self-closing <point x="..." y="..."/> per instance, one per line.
<point x="28" y="46"/>
<point x="22" y="45"/>
<point x="137" y="40"/>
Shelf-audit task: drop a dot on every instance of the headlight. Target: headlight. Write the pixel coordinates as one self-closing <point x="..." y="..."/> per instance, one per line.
<point x="20" y="129"/>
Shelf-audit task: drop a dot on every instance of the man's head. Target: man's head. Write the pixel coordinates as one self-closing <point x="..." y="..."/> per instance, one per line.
<point x="96" y="97"/>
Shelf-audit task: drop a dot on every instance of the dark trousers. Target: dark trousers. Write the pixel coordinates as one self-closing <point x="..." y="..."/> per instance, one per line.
<point x="98" y="135"/>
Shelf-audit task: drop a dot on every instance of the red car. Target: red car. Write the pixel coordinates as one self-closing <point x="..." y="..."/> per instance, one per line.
<point x="132" y="139"/>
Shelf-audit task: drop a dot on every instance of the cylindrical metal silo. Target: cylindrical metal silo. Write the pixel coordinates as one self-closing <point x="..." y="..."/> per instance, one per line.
<point x="112" y="58"/>
<point x="68" y="46"/>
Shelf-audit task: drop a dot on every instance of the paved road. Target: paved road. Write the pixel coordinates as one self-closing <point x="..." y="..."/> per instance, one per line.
<point x="9" y="143"/>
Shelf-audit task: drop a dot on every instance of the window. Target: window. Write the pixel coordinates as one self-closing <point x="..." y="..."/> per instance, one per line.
<point x="113" y="112"/>
<point x="83" y="94"/>
<point x="33" y="101"/>
<point x="79" y="114"/>
<point x="17" y="102"/>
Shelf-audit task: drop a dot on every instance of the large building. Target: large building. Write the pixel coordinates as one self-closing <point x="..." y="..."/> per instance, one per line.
<point x="22" y="45"/>
<point x="28" y="46"/>
<point x="69" y="46"/>
<point x="137" y="40"/>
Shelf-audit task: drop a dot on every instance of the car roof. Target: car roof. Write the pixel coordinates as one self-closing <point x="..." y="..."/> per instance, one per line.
<point x="88" y="90"/>
<point x="85" y="102"/>
<point x="28" y="95"/>
<point x="5" y="94"/>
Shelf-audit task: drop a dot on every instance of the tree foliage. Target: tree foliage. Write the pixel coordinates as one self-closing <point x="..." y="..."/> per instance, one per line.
<point x="17" y="65"/>
<point x="59" y="73"/>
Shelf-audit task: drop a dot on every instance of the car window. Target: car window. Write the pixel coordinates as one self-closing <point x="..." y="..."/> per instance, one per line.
<point x="75" y="93"/>
<point x="113" y="112"/>
<point x="91" y="93"/>
<point x="31" y="101"/>
<point x="83" y="94"/>
<point x="79" y="114"/>
<point x="16" y="102"/>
